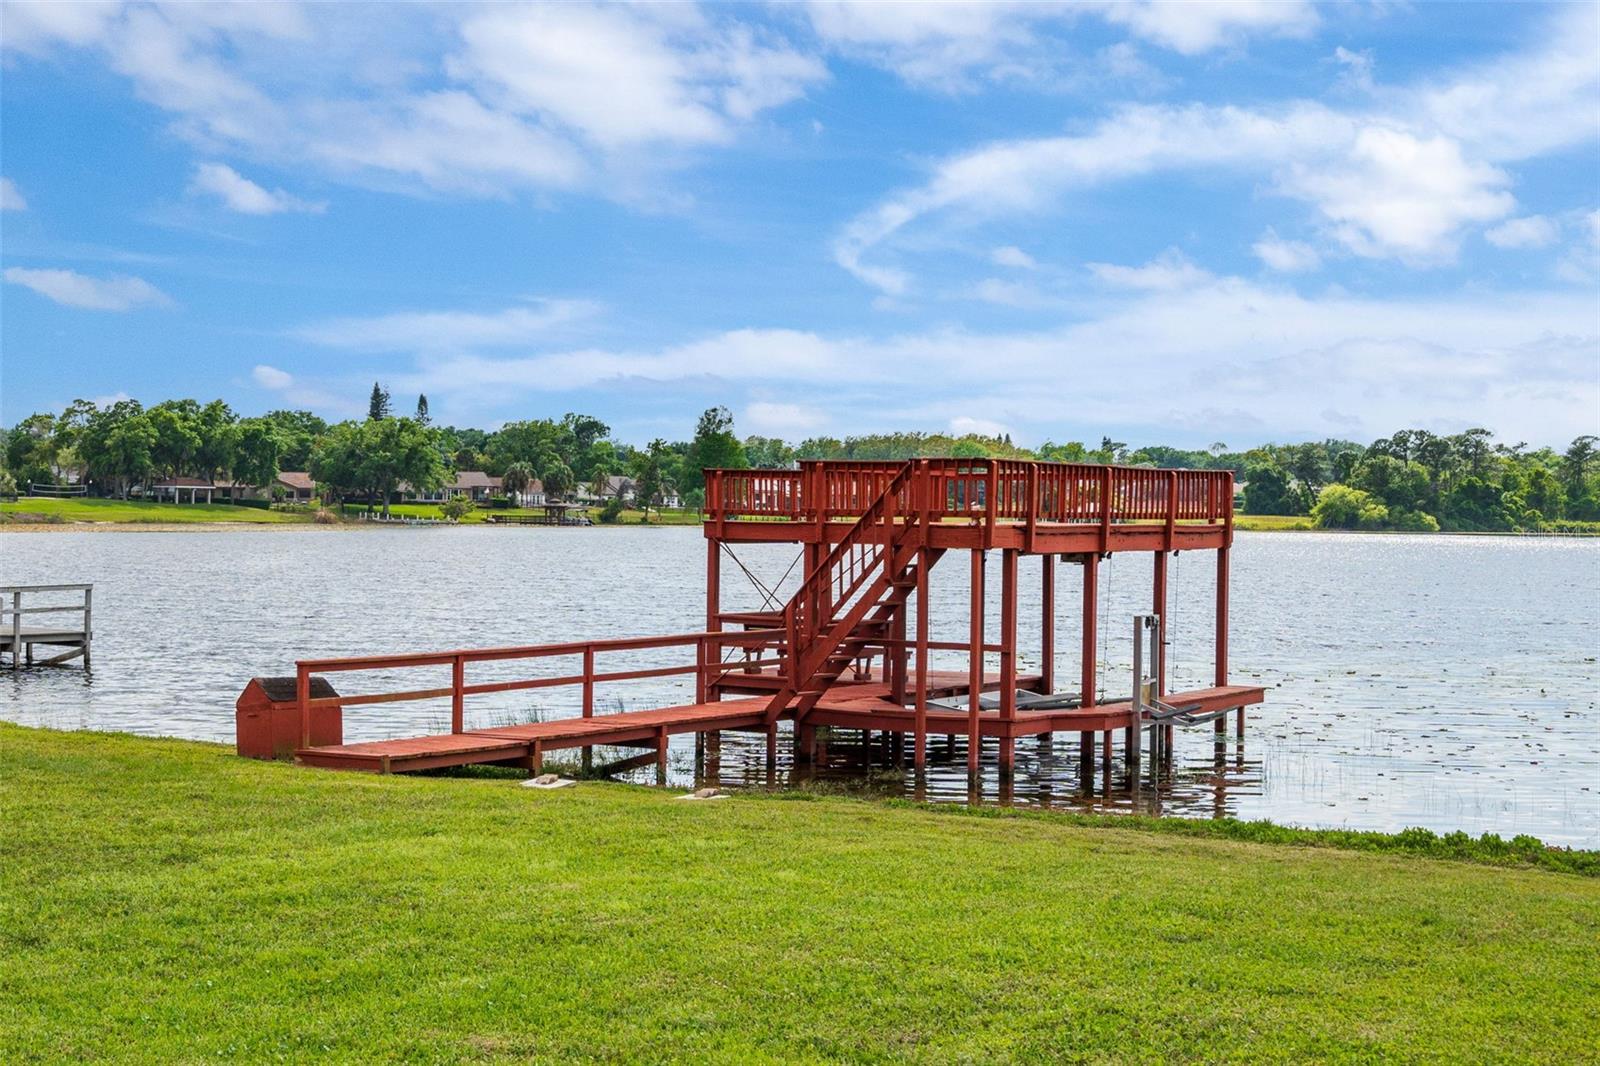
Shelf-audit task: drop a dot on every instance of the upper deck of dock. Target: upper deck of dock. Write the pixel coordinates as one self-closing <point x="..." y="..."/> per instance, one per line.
<point x="1027" y="505"/>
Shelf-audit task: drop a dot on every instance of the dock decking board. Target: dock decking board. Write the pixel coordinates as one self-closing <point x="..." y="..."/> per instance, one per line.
<point x="860" y="705"/>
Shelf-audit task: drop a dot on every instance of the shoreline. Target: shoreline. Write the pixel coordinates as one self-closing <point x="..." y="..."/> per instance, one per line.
<point x="224" y="526"/>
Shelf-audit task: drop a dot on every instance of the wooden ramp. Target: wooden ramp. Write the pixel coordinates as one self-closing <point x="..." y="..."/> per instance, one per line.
<point x="526" y="744"/>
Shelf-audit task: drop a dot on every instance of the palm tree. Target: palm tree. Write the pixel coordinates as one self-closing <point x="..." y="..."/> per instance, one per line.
<point x="516" y="479"/>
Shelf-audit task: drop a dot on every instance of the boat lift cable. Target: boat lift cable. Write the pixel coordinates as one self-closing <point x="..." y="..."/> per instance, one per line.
<point x="770" y="596"/>
<point x="1172" y="615"/>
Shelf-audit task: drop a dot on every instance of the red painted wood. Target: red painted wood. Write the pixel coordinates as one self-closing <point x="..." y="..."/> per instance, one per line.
<point x="864" y="526"/>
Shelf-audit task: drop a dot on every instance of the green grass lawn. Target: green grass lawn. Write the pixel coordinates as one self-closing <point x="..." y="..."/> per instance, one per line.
<point x="167" y="901"/>
<point x="96" y="510"/>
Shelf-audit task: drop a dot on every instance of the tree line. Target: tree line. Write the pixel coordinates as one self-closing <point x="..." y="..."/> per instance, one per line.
<point x="1413" y="479"/>
<point x="115" y="448"/>
<point x="1418" y="480"/>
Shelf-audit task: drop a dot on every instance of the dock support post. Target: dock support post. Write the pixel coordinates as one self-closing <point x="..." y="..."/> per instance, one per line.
<point x="1047" y="626"/>
<point x="920" y="754"/>
<point x="772" y="745"/>
<point x="805" y="744"/>
<point x="1087" y="696"/>
<point x="1091" y="594"/>
<point x="1008" y="658"/>
<point x="897" y="686"/>
<point x="975" y="665"/>
<point x="661" y="755"/>
<point x="713" y="756"/>
<point x="713" y="693"/>
<point x="1222" y="617"/>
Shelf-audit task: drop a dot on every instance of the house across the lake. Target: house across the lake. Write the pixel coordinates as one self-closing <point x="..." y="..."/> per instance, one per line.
<point x="183" y="489"/>
<point x="621" y="485"/>
<point x="295" y="486"/>
<point x="291" y="486"/>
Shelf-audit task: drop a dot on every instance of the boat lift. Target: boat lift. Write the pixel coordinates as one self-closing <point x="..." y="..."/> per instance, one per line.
<point x="1149" y="709"/>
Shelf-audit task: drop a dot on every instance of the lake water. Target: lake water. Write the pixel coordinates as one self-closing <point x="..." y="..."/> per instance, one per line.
<point x="1446" y="682"/>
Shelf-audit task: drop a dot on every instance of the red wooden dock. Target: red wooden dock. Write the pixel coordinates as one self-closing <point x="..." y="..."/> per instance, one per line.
<point x="841" y="652"/>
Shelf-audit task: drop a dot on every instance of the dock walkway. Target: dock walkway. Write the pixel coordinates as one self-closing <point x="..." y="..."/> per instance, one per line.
<point x="18" y="640"/>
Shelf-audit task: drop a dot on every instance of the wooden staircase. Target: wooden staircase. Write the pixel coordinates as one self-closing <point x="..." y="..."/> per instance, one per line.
<point x="849" y="600"/>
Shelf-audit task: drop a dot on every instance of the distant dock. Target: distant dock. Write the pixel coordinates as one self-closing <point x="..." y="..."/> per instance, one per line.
<point x="18" y="639"/>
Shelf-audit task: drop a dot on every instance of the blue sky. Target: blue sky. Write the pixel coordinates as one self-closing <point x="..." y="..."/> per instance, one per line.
<point x="1168" y="223"/>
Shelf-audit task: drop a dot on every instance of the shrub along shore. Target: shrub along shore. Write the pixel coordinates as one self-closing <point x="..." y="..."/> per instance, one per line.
<point x="167" y="900"/>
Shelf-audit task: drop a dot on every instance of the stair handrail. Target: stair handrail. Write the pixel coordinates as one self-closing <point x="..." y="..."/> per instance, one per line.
<point x="802" y="629"/>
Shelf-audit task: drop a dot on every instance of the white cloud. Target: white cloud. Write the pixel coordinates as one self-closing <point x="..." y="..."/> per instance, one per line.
<point x="1195" y="26"/>
<point x="33" y="26"/>
<point x="1168" y="272"/>
<point x="487" y="101"/>
<point x="1402" y="177"/>
<point x="1012" y="256"/>
<point x="1358" y="67"/>
<point x="962" y="425"/>
<point x="239" y="193"/>
<point x="788" y="420"/>
<point x="619" y="77"/>
<point x="954" y="46"/>
<point x="10" y="198"/>
<point x="1396" y="195"/>
<point x="1521" y="104"/>
<point x="1290" y="257"/>
<point x="1010" y="293"/>
<point x="1234" y="355"/>
<point x="451" y="331"/>
<point x="270" y="377"/>
<point x="72" y="289"/>
<point x="1533" y="231"/>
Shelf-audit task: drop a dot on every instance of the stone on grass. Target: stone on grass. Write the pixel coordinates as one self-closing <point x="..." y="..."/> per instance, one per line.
<point x="547" y="781"/>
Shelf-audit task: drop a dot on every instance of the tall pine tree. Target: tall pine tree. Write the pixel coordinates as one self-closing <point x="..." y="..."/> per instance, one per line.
<point x="422" y="409"/>
<point x="378" y="405"/>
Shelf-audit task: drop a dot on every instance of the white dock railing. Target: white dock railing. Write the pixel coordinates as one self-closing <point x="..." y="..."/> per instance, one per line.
<point x="19" y="639"/>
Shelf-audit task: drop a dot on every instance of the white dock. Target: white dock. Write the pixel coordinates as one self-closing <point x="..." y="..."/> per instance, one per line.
<point x="18" y="639"/>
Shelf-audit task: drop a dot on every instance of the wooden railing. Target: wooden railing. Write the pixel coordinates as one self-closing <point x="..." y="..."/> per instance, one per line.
<point x="977" y="490"/>
<point x="709" y="668"/>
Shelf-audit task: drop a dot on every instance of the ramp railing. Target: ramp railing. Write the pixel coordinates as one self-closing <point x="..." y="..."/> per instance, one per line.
<point x="709" y="667"/>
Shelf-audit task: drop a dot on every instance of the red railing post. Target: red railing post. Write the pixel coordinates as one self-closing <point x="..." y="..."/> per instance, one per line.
<point x="458" y="683"/>
<point x="302" y="694"/>
<point x="588" y="681"/>
<point x="991" y="503"/>
<point x="1172" y="506"/>
<point x="701" y="669"/>
<point x="1105" y="508"/>
<point x="1033" y="505"/>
